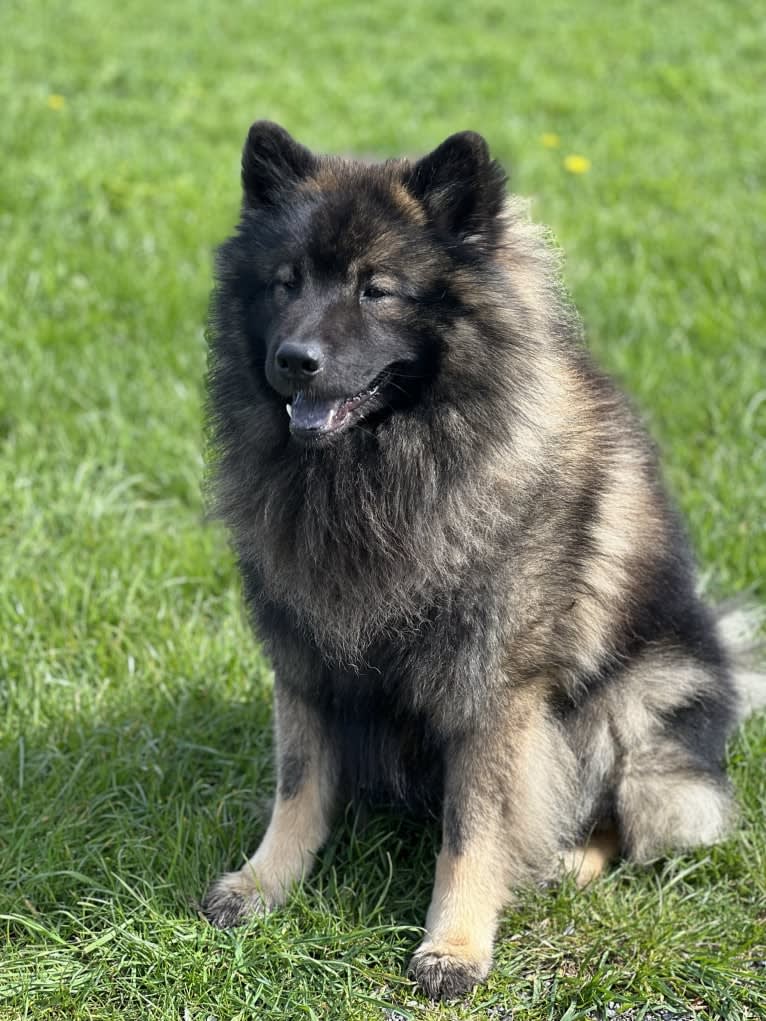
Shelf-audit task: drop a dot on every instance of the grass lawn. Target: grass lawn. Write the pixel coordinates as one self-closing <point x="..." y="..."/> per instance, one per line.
<point x="135" y="745"/>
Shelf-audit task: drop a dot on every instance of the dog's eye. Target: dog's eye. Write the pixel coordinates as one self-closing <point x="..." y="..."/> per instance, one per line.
<point x="285" y="280"/>
<point x="375" y="292"/>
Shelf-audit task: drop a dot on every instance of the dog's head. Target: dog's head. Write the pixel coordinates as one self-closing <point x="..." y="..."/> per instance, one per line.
<point x="346" y="277"/>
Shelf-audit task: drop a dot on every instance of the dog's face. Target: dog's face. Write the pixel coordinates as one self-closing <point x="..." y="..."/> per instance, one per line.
<point x="347" y="283"/>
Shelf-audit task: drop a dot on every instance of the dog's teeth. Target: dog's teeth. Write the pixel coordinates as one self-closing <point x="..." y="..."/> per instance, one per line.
<point x="289" y="410"/>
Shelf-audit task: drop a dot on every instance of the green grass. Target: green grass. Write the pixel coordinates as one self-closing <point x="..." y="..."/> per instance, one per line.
<point x="135" y="748"/>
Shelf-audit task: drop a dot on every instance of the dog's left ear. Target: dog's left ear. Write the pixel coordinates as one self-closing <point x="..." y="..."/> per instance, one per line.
<point x="272" y="163"/>
<point x="462" y="188"/>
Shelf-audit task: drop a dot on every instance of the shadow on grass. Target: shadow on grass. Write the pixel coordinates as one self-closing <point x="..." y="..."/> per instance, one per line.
<point x="147" y="801"/>
<point x="120" y="817"/>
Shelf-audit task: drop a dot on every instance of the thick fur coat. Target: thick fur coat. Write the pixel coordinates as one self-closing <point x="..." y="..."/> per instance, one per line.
<point x="455" y="543"/>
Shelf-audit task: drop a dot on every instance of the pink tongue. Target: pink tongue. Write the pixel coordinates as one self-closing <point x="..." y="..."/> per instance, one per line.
<point x="313" y="416"/>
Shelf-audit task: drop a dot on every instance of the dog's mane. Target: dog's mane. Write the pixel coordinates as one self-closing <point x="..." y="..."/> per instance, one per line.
<point x="358" y="537"/>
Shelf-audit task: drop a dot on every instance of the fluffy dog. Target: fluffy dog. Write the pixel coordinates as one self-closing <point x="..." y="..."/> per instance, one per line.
<point x="455" y="544"/>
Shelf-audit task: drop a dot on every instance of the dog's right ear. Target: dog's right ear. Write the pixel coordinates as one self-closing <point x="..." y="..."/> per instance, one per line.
<point x="272" y="163"/>
<point x="462" y="188"/>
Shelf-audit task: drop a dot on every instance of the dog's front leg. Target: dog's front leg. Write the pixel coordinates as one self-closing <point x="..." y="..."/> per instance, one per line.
<point x="507" y="797"/>
<point x="300" y="819"/>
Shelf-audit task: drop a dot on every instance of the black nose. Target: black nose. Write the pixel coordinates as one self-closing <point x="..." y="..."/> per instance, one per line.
<point x="298" y="361"/>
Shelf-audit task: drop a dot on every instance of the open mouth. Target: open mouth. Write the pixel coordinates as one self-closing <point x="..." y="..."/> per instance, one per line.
<point x="312" y="417"/>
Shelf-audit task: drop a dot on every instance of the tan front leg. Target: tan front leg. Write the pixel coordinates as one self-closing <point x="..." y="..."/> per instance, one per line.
<point x="507" y="805"/>
<point x="469" y="892"/>
<point x="299" y="825"/>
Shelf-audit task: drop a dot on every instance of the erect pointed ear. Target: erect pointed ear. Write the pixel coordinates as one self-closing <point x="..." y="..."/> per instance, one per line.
<point x="461" y="187"/>
<point x="272" y="162"/>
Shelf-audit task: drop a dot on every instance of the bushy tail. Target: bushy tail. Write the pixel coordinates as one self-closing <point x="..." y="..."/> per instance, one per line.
<point x="741" y="627"/>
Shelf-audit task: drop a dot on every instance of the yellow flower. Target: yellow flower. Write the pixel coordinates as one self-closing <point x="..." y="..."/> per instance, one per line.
<point x="56" y="102"/>
<point x="550" y="140"/>
<point x="577" y="164"/>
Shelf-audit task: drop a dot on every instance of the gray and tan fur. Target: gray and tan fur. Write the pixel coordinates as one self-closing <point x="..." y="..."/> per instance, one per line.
<point x="459" y="553"/>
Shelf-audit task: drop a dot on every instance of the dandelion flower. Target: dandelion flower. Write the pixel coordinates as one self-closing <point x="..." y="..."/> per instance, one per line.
<point x="56" y="102"/>
<point x="577" y="164"/>
<point x="550" y="140"/>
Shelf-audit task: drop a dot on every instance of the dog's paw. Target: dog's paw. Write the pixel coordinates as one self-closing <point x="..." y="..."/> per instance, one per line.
<point x="233" y="900"/>
<point x="443" y="975"/>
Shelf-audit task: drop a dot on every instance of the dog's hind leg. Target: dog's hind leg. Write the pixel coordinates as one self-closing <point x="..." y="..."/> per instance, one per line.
<point x="300" y="820"/>
<point x="671" y="716"/>
<point x="509" y="791"/>
<point x="668" y="809"/>
<point x="589" y="861"/>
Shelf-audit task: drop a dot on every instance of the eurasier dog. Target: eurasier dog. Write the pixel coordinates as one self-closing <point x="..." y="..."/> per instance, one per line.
<point x="455" y="543"/>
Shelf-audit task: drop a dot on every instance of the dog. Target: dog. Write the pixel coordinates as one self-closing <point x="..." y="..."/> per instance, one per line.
<point x="456" y="546"/>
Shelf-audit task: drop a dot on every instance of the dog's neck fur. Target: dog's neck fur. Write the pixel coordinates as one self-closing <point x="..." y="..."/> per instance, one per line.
<point x="381" y="512"/>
